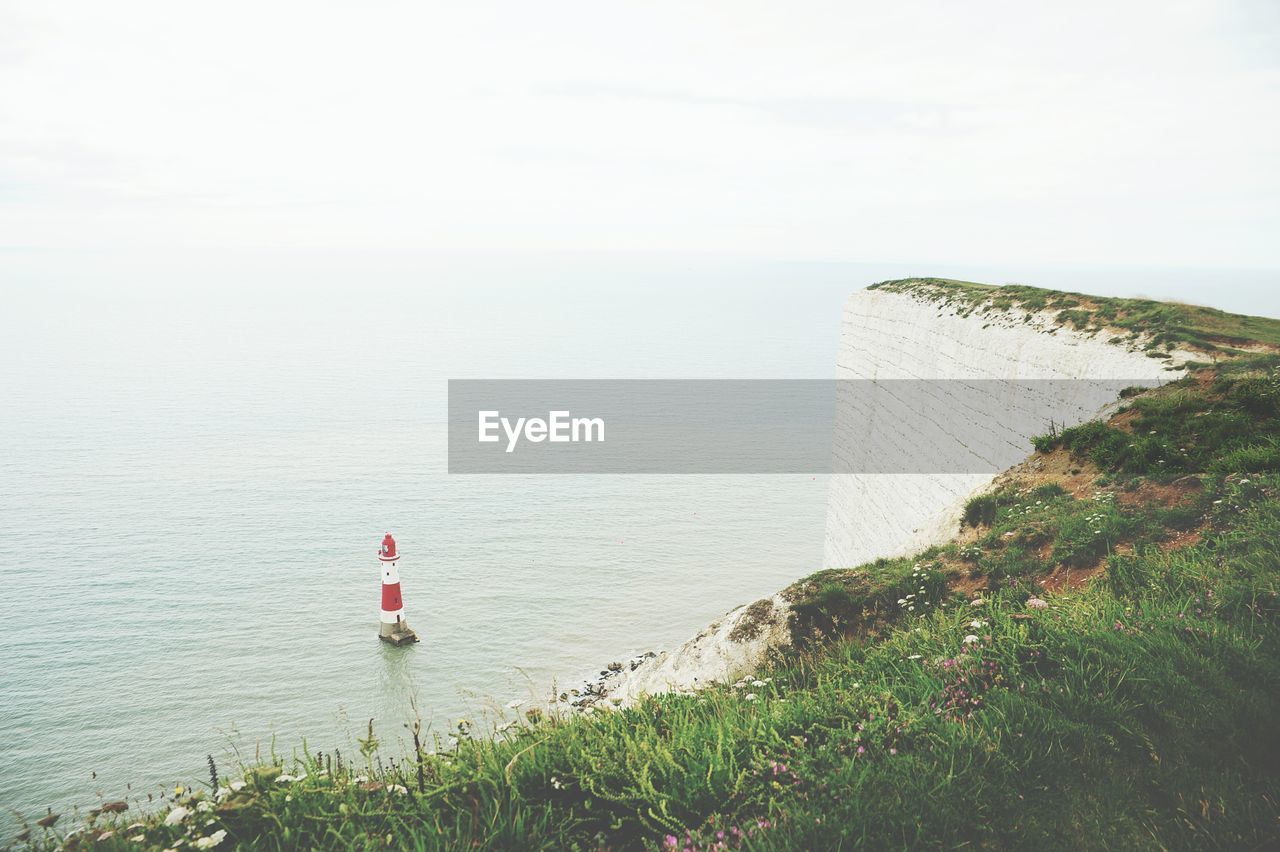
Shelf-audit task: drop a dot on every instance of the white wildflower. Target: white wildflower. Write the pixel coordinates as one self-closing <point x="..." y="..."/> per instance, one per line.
<point x="970" y="639"/>
<point x="211" y="841"/>
<point x="751" y="696"/>
<point x="398" y="789"/>
<point x="176" y="815"/>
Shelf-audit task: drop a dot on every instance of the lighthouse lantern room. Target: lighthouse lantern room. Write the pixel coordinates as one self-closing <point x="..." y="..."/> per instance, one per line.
<point x="392" y="627"/>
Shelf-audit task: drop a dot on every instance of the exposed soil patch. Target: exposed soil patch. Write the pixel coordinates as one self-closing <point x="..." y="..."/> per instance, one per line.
<point x="1184" y="538"/>
<point x="1077" y="476"/>
<point x="1062" y="578"/>
<point x="966" y="585"/>
<point x="1167" y="494"/>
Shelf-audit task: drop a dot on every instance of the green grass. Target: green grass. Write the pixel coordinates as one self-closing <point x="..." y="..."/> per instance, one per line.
<point x="1233" y="427"/>
<point x="1161" y="324"/>
<point x="1140" y="712"/>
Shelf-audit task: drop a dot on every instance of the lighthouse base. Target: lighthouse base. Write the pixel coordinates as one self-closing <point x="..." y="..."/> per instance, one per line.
<point x="397" y="634"/>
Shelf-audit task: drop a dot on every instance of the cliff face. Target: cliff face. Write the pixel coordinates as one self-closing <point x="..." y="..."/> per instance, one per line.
<point x="914" y="335"/>
<point x="893" y="336"/>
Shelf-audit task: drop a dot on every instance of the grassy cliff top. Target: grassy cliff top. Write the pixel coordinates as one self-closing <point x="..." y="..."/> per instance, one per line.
<point x="1161" y="324"/>
<point x="1092" y="662"/>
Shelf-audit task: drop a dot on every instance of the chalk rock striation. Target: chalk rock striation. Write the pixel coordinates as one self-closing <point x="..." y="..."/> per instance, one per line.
<point x="917" y="338"/>
<point x="895" y="336"/>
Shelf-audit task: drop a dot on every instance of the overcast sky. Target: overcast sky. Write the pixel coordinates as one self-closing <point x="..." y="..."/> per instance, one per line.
<point x="1095" y="132"/>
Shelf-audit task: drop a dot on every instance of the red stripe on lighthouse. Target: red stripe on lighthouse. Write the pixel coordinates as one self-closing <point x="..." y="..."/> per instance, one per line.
<point x="391" y="597"/>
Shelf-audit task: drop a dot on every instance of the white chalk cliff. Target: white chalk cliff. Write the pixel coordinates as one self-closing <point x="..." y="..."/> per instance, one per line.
<point x="917" y="336"/>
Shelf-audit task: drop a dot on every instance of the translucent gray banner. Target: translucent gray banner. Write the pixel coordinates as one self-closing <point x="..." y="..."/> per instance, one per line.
<point x="760" y="426"/>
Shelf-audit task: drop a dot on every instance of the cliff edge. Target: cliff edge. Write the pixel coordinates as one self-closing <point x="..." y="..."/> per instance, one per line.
<point x="966" y="338"/>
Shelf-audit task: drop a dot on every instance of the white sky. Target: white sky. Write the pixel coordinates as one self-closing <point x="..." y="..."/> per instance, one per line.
<point x="1093" y="132"/>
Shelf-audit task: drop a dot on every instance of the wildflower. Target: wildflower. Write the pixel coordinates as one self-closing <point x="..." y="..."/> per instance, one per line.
<point x="176" y="815"/>
<point x="861" y="750"/>
<point x="398" y="789"/>
<point x="751" y="696"/>
<point x="1037" y="603"/>
<point x="671" y="841"/>
<point x="977" y="624"/>
<point x="212" y="840"/>
<point x="893" y="751"/>
<point x="757" y="683"/>
<point x="970" y="639"/>
<point x="914" y="657"/>
<point x="856" y="685"/>
<point x="555" y="782"/>
<point x="977" y="602"/>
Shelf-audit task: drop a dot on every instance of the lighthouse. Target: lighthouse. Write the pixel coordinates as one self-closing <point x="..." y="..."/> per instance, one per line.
<point x="392" y="628"/>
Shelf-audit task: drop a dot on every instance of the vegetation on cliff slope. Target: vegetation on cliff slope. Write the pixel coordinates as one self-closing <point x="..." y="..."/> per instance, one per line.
<point x="1159" y="325"/>
<point x="1093" y="662"/>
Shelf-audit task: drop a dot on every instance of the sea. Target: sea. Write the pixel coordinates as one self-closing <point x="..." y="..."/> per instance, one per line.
<point x="200" y="453"/>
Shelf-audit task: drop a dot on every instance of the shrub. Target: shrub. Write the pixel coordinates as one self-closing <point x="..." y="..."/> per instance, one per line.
<point x="1046" y="443"/>
<point x="981" y="510"/>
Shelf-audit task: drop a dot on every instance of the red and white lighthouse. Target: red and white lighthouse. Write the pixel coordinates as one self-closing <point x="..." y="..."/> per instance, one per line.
<point x="393" y="628"/>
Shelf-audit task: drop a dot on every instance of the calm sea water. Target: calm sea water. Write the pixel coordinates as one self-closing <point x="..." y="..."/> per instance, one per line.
<point x="198" y="461"/>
